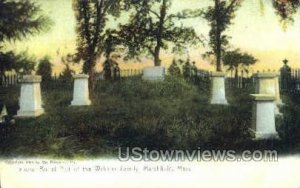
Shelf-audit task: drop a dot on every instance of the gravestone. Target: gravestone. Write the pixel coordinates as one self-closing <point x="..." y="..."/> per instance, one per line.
<point x="263" y="118"/>
<point x="81" y="90"/>
<point x="30" y="100"/>
<point x="268" y="83"/>
<point x="218" y="95"/>
<point x="156" y="73"/>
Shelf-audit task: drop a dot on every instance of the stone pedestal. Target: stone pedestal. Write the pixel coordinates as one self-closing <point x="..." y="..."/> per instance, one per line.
<point x="268" y="83"/>
<point x="263" y="118"/>
<point x="218" y="95"/>
<point x="154" y="73"/>
<point x="81" y="91"/>
<point x="30" y="100"/>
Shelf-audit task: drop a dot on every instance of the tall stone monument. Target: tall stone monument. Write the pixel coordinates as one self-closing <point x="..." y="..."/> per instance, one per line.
<point x="263" y="118"/>
<point x="30" y="100"/>
<point x="81" y="91"/>
<point x="218" y="95"/>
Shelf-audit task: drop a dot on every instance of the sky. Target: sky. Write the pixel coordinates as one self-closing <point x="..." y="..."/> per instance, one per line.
<point x="256" y="30"/>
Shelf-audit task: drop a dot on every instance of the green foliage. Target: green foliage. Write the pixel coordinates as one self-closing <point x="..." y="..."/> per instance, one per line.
<point x="19" y="19"/>
<point x="236" y="60"/>
<point x="286" y="10"/>
<point x="21" y="63"/>
<point x="289" y="123"/>
<point x="174" y="69"/>
<point x="67" y="73"/>
<point x="186" y="70"/>
<point x="220" y="17"/>
<point x="152" y="27"/>
<point x="112" y="44"/>
<point x="91" y="18"/>
<point x="45" y="69"/>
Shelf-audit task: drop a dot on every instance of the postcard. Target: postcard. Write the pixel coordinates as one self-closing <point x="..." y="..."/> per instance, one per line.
<point x="149" y="93"/>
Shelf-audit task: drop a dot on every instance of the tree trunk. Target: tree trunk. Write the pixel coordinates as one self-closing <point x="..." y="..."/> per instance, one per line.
<point x="92" y="81"/>
<point x="218" y="37"/>
<point x="236" y="73"/>
<point x="89" y="68"/>
<point x="157" y="61"/>
<point x="236" y="77"/>
<point x="163" y="11"/>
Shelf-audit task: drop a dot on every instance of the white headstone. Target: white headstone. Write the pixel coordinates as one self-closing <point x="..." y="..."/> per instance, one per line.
<point x="263" y="119"/>
<point x="81" y="91"/>
<point x="154" y="73"/>
<point x="218" y="95"/>
<point x="30" y="100"/>
<point x="268" y="83"/>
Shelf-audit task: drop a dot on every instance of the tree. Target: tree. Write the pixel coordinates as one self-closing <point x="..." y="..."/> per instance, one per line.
<point x="238" y="61"/>
<point x="91" y="17"/>
<point x="45" y="69"/>
<point x="152" y="27"/>
<point x="18" y="20"/>
<point x="20" y="63"/>
<point x="174" y="69"/>
<point x="220" y="17"/>
<point x="187" y="69"/>
<point x="286" y="9"/>
<point x="67" y="73"/>
<point x="112" y="43"/>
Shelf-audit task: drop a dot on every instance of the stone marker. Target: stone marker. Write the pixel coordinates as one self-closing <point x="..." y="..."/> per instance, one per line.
<point x="30" y="100"/>
<point x="263" y="119"/>
<point x="218" y="88"/>
<point x="154" y="73"/>
<point x="268" y="83"/>
<point x="81" y="90"/>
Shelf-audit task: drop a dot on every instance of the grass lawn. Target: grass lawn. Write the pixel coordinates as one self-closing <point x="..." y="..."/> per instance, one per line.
<point x="173" y="114"/>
